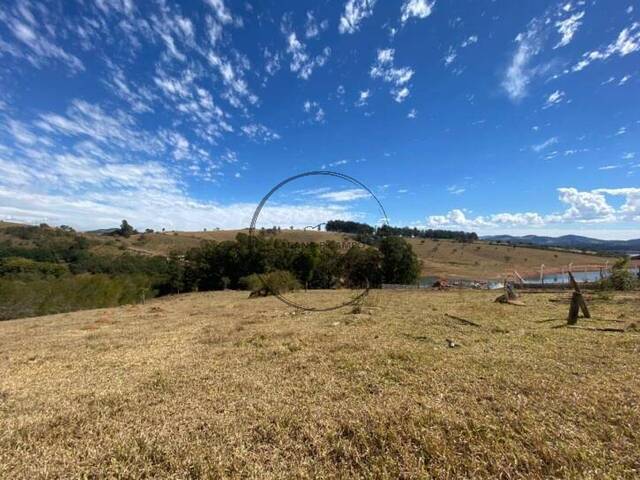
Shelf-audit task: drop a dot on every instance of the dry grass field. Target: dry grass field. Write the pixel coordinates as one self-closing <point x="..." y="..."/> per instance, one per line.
<point x="481" y="260"/>
<point x="215" y="385"/>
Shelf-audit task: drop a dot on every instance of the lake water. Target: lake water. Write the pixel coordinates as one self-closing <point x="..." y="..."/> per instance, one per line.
<point x="556" y="278"/>
<point x="549" y="279"/>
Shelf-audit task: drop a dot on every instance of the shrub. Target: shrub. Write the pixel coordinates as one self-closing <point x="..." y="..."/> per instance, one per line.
<point x="19" y="298"/>
<point x="621" y="277"/>
<point x="27" y="268"/>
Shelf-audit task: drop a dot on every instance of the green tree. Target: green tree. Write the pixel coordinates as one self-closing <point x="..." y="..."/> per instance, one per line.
<point x="327" y="271"/>
<point x="125" y="229"/>
<point x="400" y="264"/>
<point x="175" y="278"/>
<point x="362" y="266"/>
<point x="305" y="263"/>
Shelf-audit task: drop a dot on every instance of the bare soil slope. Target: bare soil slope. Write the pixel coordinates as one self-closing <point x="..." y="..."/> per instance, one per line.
<point x="218" y="386"/>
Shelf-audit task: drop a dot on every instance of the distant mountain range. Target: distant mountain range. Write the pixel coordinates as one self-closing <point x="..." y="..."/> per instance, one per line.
<point x="571" y="241"/>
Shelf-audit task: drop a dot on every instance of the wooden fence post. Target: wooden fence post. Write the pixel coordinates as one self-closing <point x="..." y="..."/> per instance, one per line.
<point x="577" y="303"/>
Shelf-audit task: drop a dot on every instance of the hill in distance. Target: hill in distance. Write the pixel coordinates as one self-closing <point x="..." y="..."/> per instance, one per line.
<point x="570" y="241"/>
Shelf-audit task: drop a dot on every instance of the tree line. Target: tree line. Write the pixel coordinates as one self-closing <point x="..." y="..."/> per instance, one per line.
<point x="368" y="232"/>
<point x="217" y="265"/>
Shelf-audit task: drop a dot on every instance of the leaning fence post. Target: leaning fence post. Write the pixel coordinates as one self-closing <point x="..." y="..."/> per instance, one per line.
<point x="577" y="303"/>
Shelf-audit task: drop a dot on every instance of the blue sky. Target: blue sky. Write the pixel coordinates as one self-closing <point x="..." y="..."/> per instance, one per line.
<point x="496" y="116"/>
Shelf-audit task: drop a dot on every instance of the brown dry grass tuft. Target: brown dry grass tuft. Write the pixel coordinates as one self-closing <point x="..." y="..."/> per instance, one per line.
<point x="215" y="385"/>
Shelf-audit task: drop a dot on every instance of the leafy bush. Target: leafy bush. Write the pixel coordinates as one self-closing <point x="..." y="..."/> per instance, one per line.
<point x="26" y="268"/>
<point x="20" y="298"/>
<point x="621" y="277"/>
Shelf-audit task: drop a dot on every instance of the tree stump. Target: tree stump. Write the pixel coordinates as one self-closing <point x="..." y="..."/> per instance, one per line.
<point x="509" y="294"/>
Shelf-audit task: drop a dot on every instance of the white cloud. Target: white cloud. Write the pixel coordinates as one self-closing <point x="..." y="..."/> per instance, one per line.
<point x="413" y="113"/>
<point x="272" y="62"/>
<point x="581" y="207"/>
<point x="301" y="62"/>
<point x="399" y="77"/>
<point x="88" y="187"/>
<point x="355" y="11"/>
<point x="363" y="98"/>
<point x="232" y="76"/>
<point x="257" y="131"/>
<point x="139" y="98"/>
<point x="36" y="42"/>
<point x="338" y="162"/>
<point x="401" y="94"/>
<point x="630" y="210"/>
<point x="554" y="99"/>
<point x="312" y="27"/>
<point x="90" y="121"/>
<point x="544" y="145"/>
<point x="21" y="133"/>
<point x="469" y="41"/>
<point x="348" y="195"/>
<point x="450" y="57"/>
<point x="196" y="103"/>
<point x="456" y="190"/>
<point x="585" y="206"/>
<point x="221" y="11"/>
<point x="519" y="73"/>
<point x="567" y="28"/>
<point x="609" y="167"/>
<point x="624" y="80"/>
<point x="523" y="67"/>
<point x="314" y="110"/>
<point x="153" y="208"/>
<point x="628" y="42"/>
<point x="415" y="9"/>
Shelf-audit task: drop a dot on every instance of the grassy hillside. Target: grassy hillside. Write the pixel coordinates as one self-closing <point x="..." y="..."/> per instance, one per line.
<point x="5" y="224"/>
<point x="447" y="258"/>
<point x="215" y="385"/>
<point x="164" y="243"/>
<point x="482" y="260"/>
